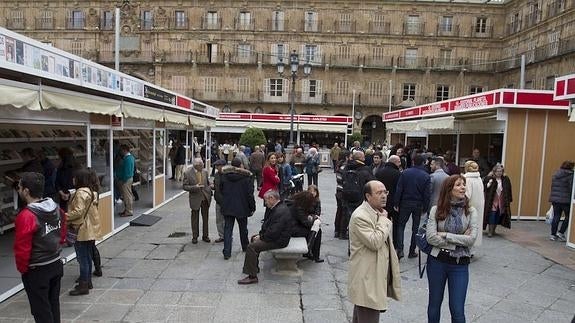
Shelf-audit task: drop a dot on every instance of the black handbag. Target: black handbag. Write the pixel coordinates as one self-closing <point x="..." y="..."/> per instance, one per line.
<point x="423" y="246"/>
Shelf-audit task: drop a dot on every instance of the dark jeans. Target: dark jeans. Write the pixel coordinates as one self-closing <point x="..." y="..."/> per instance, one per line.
<point x="258" y="176"/>
<point x="95" y="254"/>
<point x="312" y="179"/>
<point x="316" y="245"/>
<point x="364" y="315"/>
<point x="42" y="285"/>
<point x="334" y="162"/>
<point x="457" y="278"/>
<point x="84" y="257"/>
<point x="559" y="208"/>
<point x="405" y="211"/>
<point x="348" y="207"/>
<point x="339" y="215"/>
<point x="251" y="261"/>
<point x="229" y="233"/>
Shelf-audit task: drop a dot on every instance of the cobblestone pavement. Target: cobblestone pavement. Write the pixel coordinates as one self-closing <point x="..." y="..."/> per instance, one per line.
<point x="150" y="277"/>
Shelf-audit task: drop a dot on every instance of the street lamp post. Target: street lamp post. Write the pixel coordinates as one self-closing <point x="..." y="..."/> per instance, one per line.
<point x="294" y="65"/>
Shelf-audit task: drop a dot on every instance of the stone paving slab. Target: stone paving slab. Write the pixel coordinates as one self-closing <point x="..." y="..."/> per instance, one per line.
<point x="149" y="277"/>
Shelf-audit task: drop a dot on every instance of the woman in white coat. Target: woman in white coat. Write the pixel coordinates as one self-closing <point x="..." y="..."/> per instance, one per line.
<point x="474" y="192"/>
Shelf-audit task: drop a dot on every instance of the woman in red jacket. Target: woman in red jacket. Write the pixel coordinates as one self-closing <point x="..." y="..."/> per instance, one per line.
<point x="270" y="178"/>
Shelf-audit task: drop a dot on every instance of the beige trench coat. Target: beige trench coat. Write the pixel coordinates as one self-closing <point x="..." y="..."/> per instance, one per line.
<point x="87" y="219"/>
<point x="373" y="266"/>
<point x="197" y="194"/>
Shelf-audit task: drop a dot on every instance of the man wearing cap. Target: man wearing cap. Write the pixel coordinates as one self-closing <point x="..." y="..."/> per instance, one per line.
<point x="218" y="164"/>
<point x="237" y="190"/>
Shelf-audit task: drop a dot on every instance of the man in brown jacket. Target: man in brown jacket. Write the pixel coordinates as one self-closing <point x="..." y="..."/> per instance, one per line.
<point x="373" y="264"/>
<point x="197" y="183"/>
<point x="256" y="161"/>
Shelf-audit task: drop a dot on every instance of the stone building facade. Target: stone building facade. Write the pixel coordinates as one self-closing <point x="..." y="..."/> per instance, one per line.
<point x="378" y="54"/>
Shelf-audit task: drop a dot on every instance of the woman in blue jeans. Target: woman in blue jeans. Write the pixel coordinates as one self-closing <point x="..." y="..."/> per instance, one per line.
<point x="451" y="230"/>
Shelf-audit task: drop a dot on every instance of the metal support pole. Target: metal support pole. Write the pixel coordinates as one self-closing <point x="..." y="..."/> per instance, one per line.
<point x="390" y="93"/>
<point x="292" y="109"/>
<point x="522" y="76"/>
<point x="117" y="41"/>
<point x="352" y="111"/>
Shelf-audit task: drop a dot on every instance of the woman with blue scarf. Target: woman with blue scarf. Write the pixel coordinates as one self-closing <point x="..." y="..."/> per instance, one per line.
<point x="451" y="230"/>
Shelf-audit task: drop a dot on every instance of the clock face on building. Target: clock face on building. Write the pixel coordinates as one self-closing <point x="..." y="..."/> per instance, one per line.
<point x="358" y="115"/>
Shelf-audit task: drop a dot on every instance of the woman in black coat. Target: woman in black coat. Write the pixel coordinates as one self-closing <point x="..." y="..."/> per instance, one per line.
<point x="560" y="197"/>
<point x="64" y="176"/>
<point x="498" y="198"/>
<point x="306" y="209"/>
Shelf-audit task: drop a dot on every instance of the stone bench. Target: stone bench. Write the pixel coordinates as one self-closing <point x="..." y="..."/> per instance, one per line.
<point x="287" y="257"/>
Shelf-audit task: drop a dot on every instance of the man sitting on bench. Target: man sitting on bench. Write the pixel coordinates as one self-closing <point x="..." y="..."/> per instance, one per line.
<point x="274" y="234"/>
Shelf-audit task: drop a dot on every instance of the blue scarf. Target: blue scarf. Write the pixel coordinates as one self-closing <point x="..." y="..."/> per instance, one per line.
<point x="454" y="224"/>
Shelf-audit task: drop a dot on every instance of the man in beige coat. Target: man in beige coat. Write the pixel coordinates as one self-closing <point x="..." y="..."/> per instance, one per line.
<point x="373" y="265"/>
<point x="197" y="183"/>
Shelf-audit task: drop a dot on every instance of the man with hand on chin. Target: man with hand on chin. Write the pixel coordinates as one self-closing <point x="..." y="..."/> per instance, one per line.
<point x="373" y="264"/>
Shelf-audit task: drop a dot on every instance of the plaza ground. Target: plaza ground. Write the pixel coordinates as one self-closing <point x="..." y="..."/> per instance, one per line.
<point x="517" y="276"/>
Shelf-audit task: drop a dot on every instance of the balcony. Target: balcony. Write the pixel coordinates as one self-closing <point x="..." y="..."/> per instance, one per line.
<point x="267" y="97"/>
<point x="412" y="62"/>
<point x="146" y="24"/>
<point x="414" y="28"/>
<point x="76" y="23"/>
<point x="480" y="66"/>
<point x="485" y="32"/>
<point x="333" y="98"/>
<point x="344" y="26"/>
<point x="277" y="24"/>
<point x="180" y="57"/>
<point x="375" y="100"/>
<point x="202" y="57"/>
<point x="15" y="23"/>
<point x="378" y="61"/>
<point x="107" y="56"/>
<point x="244" y="24"/>
<point x="107" y="23"/>
<point x="343" y="61"/>
<point x="243" y="58"/>
<point x="380" y="27"/>
<point x="211" y="23"/>
<point x="447" y="64"/>
<point x="447" y="30"/>
<point x="44" y="23"/>
<point x="179" y="23"/>
<point x="312" y="26"/>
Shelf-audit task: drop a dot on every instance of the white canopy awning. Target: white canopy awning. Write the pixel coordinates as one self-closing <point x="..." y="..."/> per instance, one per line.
<point x="424" y="124"/>
<point x="322" y="127"/>
<point x="19" y="97"/>
<point x="80" y="102"/>
<point x="131" y="110"/>
<point x="176" y="117"/>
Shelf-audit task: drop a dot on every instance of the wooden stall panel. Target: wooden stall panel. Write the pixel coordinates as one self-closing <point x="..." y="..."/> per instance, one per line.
<point x="160" y="194"/>
<point x="572" y="226"/>
<point x="396" y="138"/>
<point x="514" y="152"/>
<point x="465" y="148"/>
<point x="106" y="214"/>
<point x="532" y="163"/>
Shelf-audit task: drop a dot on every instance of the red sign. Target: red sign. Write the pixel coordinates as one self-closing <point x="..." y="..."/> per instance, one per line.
<point x="116" y="122"/>
<point x="571" y="86"/>
<point x="565" y="87"/>
<point x="508" y="98"/>
<point x="560" y="88"/>
<point x="411" y="112"/>
<point x="542" y="100"/>
<point x="184" y="102"/>
<point x="476" y="102"/>
<point x="435" y="108"/>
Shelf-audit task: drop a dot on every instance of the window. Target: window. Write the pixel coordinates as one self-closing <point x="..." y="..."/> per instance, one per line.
<point x="445" y="57"/>
<point x="212" y="53"/>
<point x="310" y="53"/>
<point x="276" y="87"/>
<point x="344" y="51"/>
<point x="446" y="24"/>
<point x="378" y="53"/>
<point x="147" y="22"/>
<point x="530" y="54"/>
<point x="76" y="19"/>
<point x="529" y="85"/>
<point x="378" y="23"/>
<point x="76" y="47"/>
<point x="107" y="20"/>
<point x="550" y="82"/>
<point x="442" y="93"/>
<point x="375" y="89"/>
<point x="515" y="23"/>
<point x="245" y="20"/>
<point x="474" y="89"/>
<point x="412" y="25"/>
<point x="17" y="19"/>
<point x="179" y="84"/>
<point x="179" y="49"/>
<point x="481" y="25"/>
<point x="181" y="20"/>
<point x="553" y="43"/>
<point x="480" y="59"/>
<point x="345" y="22"/>
<point x="279" y="51"/>
<point x="244" y="53"/>
<point x="212" y="20"/>
<point x="342" y="88"/>
<point x="46" y="20"/>
<point x="210" y="84"/>
<point x="312" y="88"/>
<point x="310" y="22"/>
<point x="411" y="57"/>
<point x="278" y="21"/>
<point x="243" y="85"/>
<point x="408" y="91"/>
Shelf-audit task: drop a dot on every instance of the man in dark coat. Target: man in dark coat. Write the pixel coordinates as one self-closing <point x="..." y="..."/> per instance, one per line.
<point x="389" y="176"/>
<point x="484" y="167"/>
<point x="238" y="203"/>
<point x="560" y="196"/>
<point x="274" y="234"/>
<point x="411" y="199"/>
<point x="219" y="164"/>
<point x="365" y="175"/>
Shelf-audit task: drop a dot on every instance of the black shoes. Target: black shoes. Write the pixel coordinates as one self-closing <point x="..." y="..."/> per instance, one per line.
<point x="194" y="240"/>
<point x="412" y="254"/>
<point x="399" y="254"/>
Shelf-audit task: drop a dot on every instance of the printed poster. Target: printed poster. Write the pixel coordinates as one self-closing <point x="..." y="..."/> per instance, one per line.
<point x="10" y="50"/>
<point x="19" y="52"/>
<point x="2" y="48"/>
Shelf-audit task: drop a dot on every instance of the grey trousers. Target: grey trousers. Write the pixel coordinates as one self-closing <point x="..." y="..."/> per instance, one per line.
<point x="220" y="221"/>
<point x="204" y="209"/>
<point x="251" y="261"/>
<point x="365" y="315"/>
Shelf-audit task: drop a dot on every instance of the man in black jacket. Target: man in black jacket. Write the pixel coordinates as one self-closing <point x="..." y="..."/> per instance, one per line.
<point x="238" y="203"/>
<point x="389" y="176"/>
<point x="364" y="174"/>
<point x="275" y="234"/>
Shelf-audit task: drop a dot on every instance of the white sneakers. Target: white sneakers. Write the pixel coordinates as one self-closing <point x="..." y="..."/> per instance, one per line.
<point x="559" y="236"/>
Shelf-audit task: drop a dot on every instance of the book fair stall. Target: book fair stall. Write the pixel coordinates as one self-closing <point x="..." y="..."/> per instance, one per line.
<point x="519" y="128"/>
<point x="52" y="101"/>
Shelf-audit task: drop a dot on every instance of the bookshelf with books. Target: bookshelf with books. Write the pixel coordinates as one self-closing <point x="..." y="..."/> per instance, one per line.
<point x="140" y="143"/>
<point x="43" y="140"/>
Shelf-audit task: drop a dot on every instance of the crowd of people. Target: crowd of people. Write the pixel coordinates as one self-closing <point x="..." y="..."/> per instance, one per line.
<point x="375" y="197"/>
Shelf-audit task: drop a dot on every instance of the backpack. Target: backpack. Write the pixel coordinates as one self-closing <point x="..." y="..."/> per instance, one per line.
<point x="351" y="188"/>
